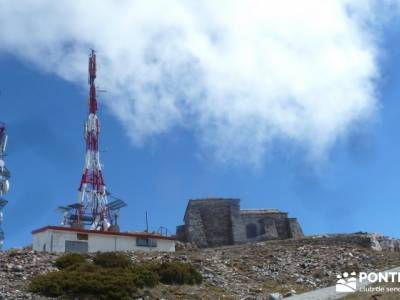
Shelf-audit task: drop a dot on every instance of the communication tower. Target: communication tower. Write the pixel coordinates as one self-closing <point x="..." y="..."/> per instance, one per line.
<point x="92" y="208"/>
<point x="4" y="176"/>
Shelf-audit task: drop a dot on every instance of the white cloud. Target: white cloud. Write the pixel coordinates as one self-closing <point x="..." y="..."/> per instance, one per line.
<point x="241" y="74"/>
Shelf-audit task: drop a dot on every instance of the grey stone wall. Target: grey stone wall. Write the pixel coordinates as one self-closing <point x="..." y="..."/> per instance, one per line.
<point x="295" y="229"/>
<point x="215" y="222"/>
<point x="195" y="232"/>
<point x="238" y="227"/>
<point x="208" y="222"/>
<point x="216" y="217"/>
<point x="281" y="223"/>
<point x="271" y="233"/>
<point x="274" y="223"/>
<point x="181" y="233"/>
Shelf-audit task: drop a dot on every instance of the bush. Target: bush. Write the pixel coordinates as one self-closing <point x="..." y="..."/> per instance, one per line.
<point x="112" y="260"/>
<point x="110" y="276"/>
<point x="47" y="284"/>
<point x="86" y="267"/>
<point x="103" y="284"/>
<point x="68" y="260"/>
<point x="145" y="275"/>
<point x="179" y="273"/>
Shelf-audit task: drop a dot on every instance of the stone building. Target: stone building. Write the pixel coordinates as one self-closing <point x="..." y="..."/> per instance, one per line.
<point x="220" y="221"/>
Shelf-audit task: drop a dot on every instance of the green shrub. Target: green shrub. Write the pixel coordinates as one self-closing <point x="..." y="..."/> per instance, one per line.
<point x="86" y="267"/>
<point x="146" y="275"/>
<point x="112" y="260"/>
<point x="69" y="259"/>
<point x="109" y="276"/>
<point x="179" y="273"/>
<point x="104" y="284"/>
<point x="47" y="284"/>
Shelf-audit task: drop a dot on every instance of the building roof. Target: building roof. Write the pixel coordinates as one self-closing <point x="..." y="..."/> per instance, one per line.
<point x="261" y="211"/>
<point x="209" y="200"/>
<point x="129" y="234"/>
<point x="200" y="201"/>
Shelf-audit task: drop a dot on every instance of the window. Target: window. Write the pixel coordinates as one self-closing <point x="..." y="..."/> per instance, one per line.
<point x="251" y="230"/>
<point x="82" y="236"/>
<point x="146" y="242"/>
<point x="73" y="246"/>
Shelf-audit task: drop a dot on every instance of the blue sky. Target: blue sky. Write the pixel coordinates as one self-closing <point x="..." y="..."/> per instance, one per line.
<point x="355" y="186"/>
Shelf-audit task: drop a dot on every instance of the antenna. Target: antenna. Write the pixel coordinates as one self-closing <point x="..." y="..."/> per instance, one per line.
<point x="147" y="223"/>
<point x="161" y="230"/>
<point x="4" y="176"/>
<point x="92" y="208"/>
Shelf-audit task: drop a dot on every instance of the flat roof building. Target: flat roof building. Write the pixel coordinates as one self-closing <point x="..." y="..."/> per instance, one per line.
<point x="66" y="239"/>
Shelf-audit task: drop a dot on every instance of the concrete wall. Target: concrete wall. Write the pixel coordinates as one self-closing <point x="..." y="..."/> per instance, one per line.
<point x="41" y="241"/>
<point x="54" y="241"/>
<point x="59" y="238"/>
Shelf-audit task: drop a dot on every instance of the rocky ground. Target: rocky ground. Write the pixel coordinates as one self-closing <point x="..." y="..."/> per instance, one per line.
<point x="251" y="271"/>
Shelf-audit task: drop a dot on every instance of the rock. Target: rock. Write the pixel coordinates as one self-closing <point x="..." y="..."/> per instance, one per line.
<point x="237" y="271"/>
<point x="275" y="296"/>
<point x="299" y="280"/>
<point x="18" y="268"/>
<point x="290" y="293"/>
<point x="375" y="245"/>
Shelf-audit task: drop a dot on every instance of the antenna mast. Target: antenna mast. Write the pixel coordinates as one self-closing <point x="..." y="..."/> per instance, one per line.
<point x="92" y="208"/>
<point x="4" y="176"/>
<point x="92" y="189"/>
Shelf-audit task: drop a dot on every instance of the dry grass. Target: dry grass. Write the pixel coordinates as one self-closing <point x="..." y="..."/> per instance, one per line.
<point x="274" y="286"/>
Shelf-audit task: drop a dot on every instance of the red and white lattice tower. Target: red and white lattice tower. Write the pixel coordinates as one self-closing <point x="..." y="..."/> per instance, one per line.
<point x="4" y="176"/>
<point x="92" y="189"/>
<point x="92" y="208"/>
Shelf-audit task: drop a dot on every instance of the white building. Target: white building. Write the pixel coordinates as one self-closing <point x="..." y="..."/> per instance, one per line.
<point x="66" y="239"/>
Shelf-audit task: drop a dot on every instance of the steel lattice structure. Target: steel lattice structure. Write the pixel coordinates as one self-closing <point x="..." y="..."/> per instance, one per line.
<point x="92" y="208"/>
<point x="4" y="176"/>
